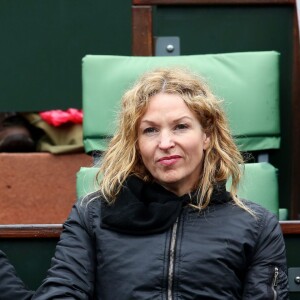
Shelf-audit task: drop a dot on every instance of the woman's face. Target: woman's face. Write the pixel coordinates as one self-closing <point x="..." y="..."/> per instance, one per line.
<point x="171" y="143"/>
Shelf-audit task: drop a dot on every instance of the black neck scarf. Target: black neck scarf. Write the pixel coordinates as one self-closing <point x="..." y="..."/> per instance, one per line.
<point x="145" y="208"/>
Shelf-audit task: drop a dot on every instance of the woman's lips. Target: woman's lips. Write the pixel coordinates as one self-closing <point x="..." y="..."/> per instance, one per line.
<point x="169" y="160"/>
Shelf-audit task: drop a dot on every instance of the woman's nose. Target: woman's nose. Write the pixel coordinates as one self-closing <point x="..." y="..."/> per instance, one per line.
<point x="166" y="141"/>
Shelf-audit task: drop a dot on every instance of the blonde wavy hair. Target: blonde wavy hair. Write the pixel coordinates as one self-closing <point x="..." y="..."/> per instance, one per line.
<point x="222" y="160"/>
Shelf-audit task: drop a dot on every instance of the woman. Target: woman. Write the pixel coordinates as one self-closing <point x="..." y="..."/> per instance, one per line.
<point x="162" y="225"/>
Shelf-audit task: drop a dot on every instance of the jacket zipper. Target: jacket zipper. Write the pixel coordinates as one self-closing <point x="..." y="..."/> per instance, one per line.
<point x="172" y="259"/>
<point x="275" y="282"/>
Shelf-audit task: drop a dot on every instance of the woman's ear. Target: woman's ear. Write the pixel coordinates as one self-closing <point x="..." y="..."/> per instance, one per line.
<point x="206" y="141"/>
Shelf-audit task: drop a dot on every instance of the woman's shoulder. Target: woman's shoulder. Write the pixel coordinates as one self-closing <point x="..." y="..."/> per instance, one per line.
<point x="257" y="225"/>
<point x="257" y="208"/>
<point x="262" y="216"/>
<point x="247" y="215"/>
<point x="87" y="210"/>
<point x="90" y="200"/>
<point x="90" y="203"/>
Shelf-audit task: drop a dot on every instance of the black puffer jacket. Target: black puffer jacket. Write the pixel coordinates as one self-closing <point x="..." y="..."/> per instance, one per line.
<point x="221" y="253"/>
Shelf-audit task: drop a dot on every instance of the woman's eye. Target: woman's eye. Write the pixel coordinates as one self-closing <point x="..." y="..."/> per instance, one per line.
<point x="181" y="126"/>
<point x="149" y="130"/>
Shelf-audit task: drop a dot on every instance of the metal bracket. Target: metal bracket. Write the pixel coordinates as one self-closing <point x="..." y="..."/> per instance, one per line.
<point x="263" y="157"/>
<point x="294" y="279"/>
<point x="167" y="46"/>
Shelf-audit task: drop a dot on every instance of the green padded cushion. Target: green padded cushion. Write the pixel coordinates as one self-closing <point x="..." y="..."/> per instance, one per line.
<point x="86" y="181"/>
<point x="248" y="83"/>
<point x="259" y="184"/>
<point x="283" y="214"/>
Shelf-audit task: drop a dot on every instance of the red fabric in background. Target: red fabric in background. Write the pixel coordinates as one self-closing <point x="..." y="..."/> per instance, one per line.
<point x="58" y="117"/>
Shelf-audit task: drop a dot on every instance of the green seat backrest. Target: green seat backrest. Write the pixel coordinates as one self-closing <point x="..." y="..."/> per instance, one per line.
<point x="248" y="83"/>
<point x="260" y="185"/>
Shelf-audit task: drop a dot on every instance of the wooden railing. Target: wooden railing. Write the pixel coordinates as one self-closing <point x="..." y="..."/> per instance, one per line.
<point x="30" y="231"/>
<point x="290" y="227"/>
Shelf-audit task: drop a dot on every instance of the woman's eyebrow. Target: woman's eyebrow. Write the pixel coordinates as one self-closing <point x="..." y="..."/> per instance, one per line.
<point x="182" y="119"/>
<point x="151" y="122"/>
<point x="148" y="122"/>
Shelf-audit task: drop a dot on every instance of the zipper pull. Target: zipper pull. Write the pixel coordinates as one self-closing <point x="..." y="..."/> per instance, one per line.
<point x="275" y="278"/>
<point x="275" y="283"/>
